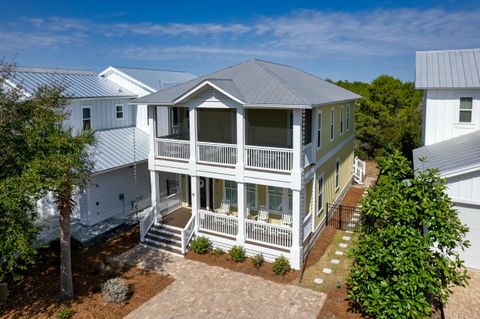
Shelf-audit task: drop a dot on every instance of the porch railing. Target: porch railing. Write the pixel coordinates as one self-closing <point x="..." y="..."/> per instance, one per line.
<point x="274" y="235"/>
<point x="187" y="234"/>
<point x="217" y="153"/>
<point x="146" y="222"/>
<point x="170" y="148"/>
<point x="216" y="223"/>
<point x="269" y="158"/>
<point x="169" y="204"/>
<point x="307" y="226"/>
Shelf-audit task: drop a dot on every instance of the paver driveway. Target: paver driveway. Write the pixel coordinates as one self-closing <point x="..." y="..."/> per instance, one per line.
<point x="464" y="303"/>
<point x="202" y="291"/>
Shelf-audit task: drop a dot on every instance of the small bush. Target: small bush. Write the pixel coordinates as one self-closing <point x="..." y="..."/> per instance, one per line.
<point x="258" y="260"/>
<point x="64" y="313"/>
<point x="237" y="254"/>
<point x="200" y="245"/>
<point x="217" y="252"/>
<point x="115" y="290"/>
<point x="281" y="265"/>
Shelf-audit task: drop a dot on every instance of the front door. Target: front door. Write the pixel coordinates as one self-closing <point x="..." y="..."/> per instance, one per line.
<point x="203" y="193"/>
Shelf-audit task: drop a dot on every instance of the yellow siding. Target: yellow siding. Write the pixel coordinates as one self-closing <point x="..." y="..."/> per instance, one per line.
<point x="308" y="195"/>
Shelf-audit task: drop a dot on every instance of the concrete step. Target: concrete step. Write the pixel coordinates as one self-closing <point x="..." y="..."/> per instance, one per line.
<point x="162" y="246"/>
<point x="165" y="240"/>
<point x="165" y="229"/>
<point x="165" y="234"/>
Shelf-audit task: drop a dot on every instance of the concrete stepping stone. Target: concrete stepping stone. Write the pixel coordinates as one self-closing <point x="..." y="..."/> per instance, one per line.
<point x="318" y="280"/>
<point x="347" y="238"/>
<point x="355" y="219"/>
<point x="339" y="253"/>
<point x="343" y="245"/>
<point x="335" y="261"/>
<point x="327" y="270"/>
<point x="351" y="225"/>
<point x="349" y="232"/>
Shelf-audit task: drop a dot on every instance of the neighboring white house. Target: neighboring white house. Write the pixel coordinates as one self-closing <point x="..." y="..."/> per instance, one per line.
<point x="120" y="183"/>
<point x="451" y="131"/>
<point x="252" y="155"/>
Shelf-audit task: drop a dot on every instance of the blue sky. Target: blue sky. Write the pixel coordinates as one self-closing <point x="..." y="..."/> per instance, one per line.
<point x="352" y="40"/>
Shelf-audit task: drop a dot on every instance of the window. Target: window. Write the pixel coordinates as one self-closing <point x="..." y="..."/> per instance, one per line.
<point x="86" y="118"/>
<point x="465" y="115"/>
<point x="119" y="111"/>
<point x="337" y="174"/>
<point x="172" y="187"/>
<point x="320" y="194"/>
<point x="290" y="201"/>
<point x="348" y="117"/>
<point x="230" y="192"/>
<point x="251" y="195"/>
<point x="275" y="197"/>
<point x="342" y="113"/>
<point x="332" y="121"/>
<point x="307" y="127"/>
<point x="319" y="129"/>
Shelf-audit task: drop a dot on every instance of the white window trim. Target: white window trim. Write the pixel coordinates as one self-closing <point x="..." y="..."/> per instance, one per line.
<point x="460" y="110"/>
<point x="337" y="161"/>
<point x="320" y="209"/>
<point x="331" y="128"/>
<point x="319" y="129"/>
<point x="342" y="120"/>
<point x="90" y="118"/>
<point x="116" y="112"/>
<point x="284" y="202"/>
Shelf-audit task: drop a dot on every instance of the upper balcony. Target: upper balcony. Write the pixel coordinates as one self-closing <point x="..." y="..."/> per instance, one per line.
<point x="267" y="137"/>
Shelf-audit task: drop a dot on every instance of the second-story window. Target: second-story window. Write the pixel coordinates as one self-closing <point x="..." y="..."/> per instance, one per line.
<point x="319" y="129"/>
<point x="119" y="111"/>
<point x="465" y="115"/>
<point x="348" y="118"/>
<point x="337" y="174"/>
<point x="342" y="113"/>
<point x="332" y="124"/>
<point x="320" y="194"/>
<point x="86" y="118"/>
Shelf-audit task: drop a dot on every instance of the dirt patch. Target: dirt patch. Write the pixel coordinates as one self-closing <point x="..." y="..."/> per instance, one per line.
<point x="353" y="195"/>
<point x="36" y="296"/>
<point x="245" y="267"/>
<point x="320" y="246"/>
<point x="337" y="306"/>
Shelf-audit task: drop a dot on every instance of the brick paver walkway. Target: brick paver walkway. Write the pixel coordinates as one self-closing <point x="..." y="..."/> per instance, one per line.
<point x="202" y="291"/>
<point x="465" y="302"/>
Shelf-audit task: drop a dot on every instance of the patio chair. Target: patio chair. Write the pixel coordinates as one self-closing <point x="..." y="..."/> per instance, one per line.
<point x="262" y="215"/>
<point x="224" y="208"/>
<point x="286" y="220"/>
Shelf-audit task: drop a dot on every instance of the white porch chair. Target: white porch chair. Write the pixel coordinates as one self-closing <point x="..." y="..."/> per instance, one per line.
<point x="262" y="215"/>
<point x="286" y="220"/>
<point x="224" y="208"/>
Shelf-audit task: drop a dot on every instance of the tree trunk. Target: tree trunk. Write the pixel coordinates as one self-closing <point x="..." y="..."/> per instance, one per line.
<point x="66" y="285"/>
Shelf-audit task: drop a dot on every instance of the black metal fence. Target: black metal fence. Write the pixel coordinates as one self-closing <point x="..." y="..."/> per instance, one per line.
<point x="343" y="217"/>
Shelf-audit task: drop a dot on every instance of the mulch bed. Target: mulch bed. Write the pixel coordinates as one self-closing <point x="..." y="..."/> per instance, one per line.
<point x="36" y="296"/>
<point x="245" y="267"/>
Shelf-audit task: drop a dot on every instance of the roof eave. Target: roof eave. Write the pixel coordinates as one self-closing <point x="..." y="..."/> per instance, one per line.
<point x="141" y="84"/>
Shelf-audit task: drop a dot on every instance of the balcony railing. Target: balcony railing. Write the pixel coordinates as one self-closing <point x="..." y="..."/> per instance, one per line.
<point x="217" y="223"/>
<point x="217" y="153"/>
<point x="274" y="235"/>
<point x="269" y="158"/>
<point x="170" y="148"/>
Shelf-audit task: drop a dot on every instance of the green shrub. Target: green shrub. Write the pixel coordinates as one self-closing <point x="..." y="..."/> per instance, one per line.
<point x="217" y="252"/>
<point x="258" y="260"/>
<point x="200" y="245"/>
<point x="64" y="313"/>
<point x="237" y="254"/>
<point x="115" y="290"/>
<point x="281" y="265"/>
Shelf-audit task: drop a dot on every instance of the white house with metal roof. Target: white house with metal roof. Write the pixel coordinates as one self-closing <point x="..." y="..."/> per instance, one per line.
<point x="450" y="81"/>
<point x="120" y="181"/>
<point x="260" y="150"/>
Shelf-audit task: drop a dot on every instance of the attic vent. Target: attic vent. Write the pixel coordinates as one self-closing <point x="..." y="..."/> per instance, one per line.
<point x="120" y="90"/>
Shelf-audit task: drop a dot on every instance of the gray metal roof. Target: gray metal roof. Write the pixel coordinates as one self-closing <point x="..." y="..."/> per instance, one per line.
<point x="77" y="83"/>
<point x="261" y="83"/>
<point x="448" y="69"/>
<point x="155" y="78"/>
<point x="115" y="148"/>
<point x="451" y="156"/>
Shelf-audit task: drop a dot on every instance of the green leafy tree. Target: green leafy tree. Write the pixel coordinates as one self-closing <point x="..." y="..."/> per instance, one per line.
<point x="389" y="116"/>
<point x="407" y="252"/>
<point x="40" y="156"/>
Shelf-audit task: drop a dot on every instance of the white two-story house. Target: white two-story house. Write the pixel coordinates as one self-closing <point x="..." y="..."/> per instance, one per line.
<point x="252" y="155"/>
<point x="450" y="81"/>
<point x="120" y="181"/>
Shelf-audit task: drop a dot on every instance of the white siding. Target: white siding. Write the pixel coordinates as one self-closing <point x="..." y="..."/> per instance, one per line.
<point x="127" y="84"/>
<point x="470" y="215"/>
<point x="102" y="112"/>
<point x="442" y="111"/>
<point x="105" y="189"/>
<point x="465" y="188"/>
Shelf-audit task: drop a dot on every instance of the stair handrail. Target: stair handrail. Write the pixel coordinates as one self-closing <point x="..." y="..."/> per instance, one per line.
<point x="146" y="222"/>
<point x="187" y="233"/>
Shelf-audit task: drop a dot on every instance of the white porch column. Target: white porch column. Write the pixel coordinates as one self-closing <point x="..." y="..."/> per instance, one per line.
<point x="297" y="168"/>
<point x="155" y="193"/>
<point x="207" y="185"/>
<point x="193" y="140"/>
<point x="240" y="141"/>
<point x="296" y="249"/>
<point x="195" y="192"/>
<point x="152" y="136"/>
<point x="241" y="206"/>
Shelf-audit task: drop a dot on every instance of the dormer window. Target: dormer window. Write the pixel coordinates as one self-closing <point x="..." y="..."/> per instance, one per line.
<point x="119" y="111"/>
<point x="465" y="115"/>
